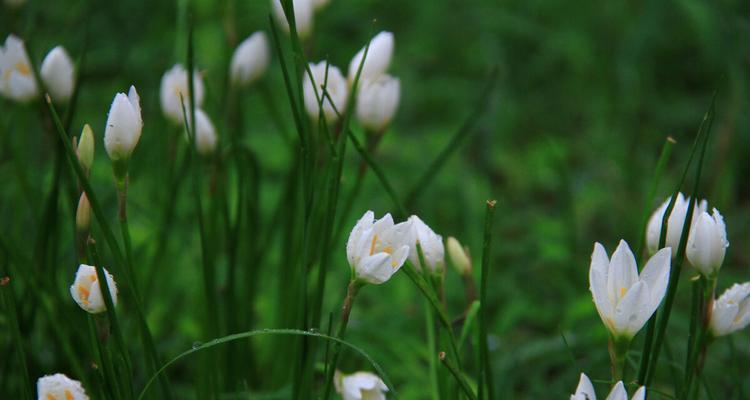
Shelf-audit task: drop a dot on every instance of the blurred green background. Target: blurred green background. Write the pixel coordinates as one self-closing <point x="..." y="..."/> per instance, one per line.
<point x="587" y="92"/>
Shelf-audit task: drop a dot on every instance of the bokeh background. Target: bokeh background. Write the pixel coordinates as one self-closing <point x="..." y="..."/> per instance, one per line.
<point x="586" y="94"/>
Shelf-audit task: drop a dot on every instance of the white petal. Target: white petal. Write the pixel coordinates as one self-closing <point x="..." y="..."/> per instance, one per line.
<point x="598" y="283"/>
<point x="585" y="388"/>
<point x="640" y="394"/>
<point x="628" y="309"/>
<point x="623" y="272"/>
<point x="656" y="275"/>
<point x="618" y="392"/>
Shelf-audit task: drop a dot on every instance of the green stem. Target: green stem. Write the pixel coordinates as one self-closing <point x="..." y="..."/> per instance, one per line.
<point x="346" y="310"/>
<point x="431" y="347"/>
<point x="618" y="351"/>
<point x="694" y="365"/>
<point x="10" y="306"/>
<point x="458" y="376"/>
<point x="485" y="367"/>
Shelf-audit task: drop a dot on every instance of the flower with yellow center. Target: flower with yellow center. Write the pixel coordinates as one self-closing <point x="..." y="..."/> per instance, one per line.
<point x="59" y="387"/>
<point x="17" y="80"/>
<point x="377" y="249"/>
<point x="87" y="293"/>
<point x="175" y="90"/>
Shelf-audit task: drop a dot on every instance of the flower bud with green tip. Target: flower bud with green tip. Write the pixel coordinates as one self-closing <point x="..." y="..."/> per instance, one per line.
<point x="707" y="243"/>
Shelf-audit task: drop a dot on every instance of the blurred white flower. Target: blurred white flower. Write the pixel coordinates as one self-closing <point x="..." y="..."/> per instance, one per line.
<point x="585" y="391"/>
<point x="707" y="243"/>
<point x="335" y="85"/>
<point x="378" y="57"/>
<point x="85" y="149"/>
<point x="731" y="311"/>
<point x="59" y="387"/>
<point x="303" y="16"/>
<point x="205" y="134"/>
<point x="459" y="256"/>
<point x="87" y="293"/>
<point x="124" y="125"/>
<point x="377" y="101"/>
<point x="57" y="75"/>
<point x="17" y="80"/>
<point x="675" y="223"/>
<point x="250" y="59"/>
<point x="431" y="244"/>
<point x="377" y="249"/>
<point x="359" y="386"/>
<point x="174" y="87"/>
<point x="625" y="300"/>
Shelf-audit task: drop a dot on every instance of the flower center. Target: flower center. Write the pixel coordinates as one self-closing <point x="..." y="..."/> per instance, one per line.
<point x="23" y="68"/>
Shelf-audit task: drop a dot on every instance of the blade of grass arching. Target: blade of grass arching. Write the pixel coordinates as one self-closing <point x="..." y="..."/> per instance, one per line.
<point x="463" y="133"/>
<point x="11" y="310"/>
<point x="704" y="134"/>
<point x="288" y="332"/>
<point x="485" y="366"/>
<point x="458" y="376"/>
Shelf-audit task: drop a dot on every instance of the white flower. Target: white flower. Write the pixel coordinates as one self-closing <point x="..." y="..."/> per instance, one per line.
<point x="731" y="310"/>
<point x="360" y="386"/>
<point x="675" y="223"/>
<point x="16" y="76"/>
<point x="431" y="244"/>
<point x="57" y="75"/>
<point x="585" y="391"/>
<point x="707" y="243"/>
<point x="303" y="16"/>
<point x="625" y="300"/>
<point x="86" y="291"/>
<point x="378" y="58"/>
<point x="377" y="101"/>
<point x="618" y="393"/>
<point x="124" y="125"/>
<point x="459" y="255"/>
<point x="59" y="387"/>
<point x="205" y="134"/>
<point x="377" y="249"/>
<point x="335" y="85"/>
<point x="175" y="89"/>
<point x="250" y="59"/>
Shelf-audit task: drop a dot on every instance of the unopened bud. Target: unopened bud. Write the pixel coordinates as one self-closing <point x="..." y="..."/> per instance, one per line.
<point x="83" y="214"/>
<point x="459" y="256"/>
<point x="86" y="147"/>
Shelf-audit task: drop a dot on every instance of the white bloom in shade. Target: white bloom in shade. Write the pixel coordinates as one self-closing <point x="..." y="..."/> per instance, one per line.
<point x="377" y="101"/>
<point x="585" y="391"/>
<point x="431" y="244"/>
<point x="57" y="75"/>
<point x="707" y="243"/>
<point x="175" y="89"/>
<point x="335" y="85"/>
<point x="378" y="57"/>
<point x="86" y="291"/>
<point x="303" y="16"/>
<point x="625" y="300"/>
<point x="359" y="386"/>
<point x="674" y="224"/>
<point x="250" y="59"/>
<point x="459" y="255"/>
<point x="618" y="393"/>
<point x="731" y="310"/>
<point x="59" y="387"/>
<point x="377" y="249"/>
<point x="16" y="76"/>
<point x="124" y="125"/>
<point x="205" y="134"/>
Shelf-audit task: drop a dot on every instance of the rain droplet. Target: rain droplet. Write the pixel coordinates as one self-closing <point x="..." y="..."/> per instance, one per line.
<point x="197" y="345"/>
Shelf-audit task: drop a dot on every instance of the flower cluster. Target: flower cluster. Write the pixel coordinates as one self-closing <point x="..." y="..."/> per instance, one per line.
<point x="17" y="77"/>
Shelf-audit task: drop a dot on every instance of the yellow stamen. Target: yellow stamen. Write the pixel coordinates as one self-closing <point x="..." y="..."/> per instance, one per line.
<point x="372" y="245"/>
<point x="23" y="68"/>
<point x="68" y="395"/>
<point x="51" y="397"/>
<point x="388" y="249"/>
<point x="623" y="291"/>
<point x="83" y="291"/>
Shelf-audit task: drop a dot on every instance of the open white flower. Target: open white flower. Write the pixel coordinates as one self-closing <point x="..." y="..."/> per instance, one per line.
<point x="124" y="125"/>
<point x="250" y="59"/>
<point x="585" y="391"/>
<point x="303" y="16"/>
<point x="16" y="75"/>
<point x="431" y="244"/>
<point x="205" y="134"/>
<point x="378" y="58"/>
<point x="731" y="311"/>
<point x="86" y="291"/>
<point x="174" y="87"/>
<point x="360" y="386"/>
<point x="335" y="85"/>
<point x="707" y="243"/>
<point x="59" y="387"/>
<point x="57" y="75"/>
<point x="675" y="223"/>
<point x="377" y="249"/>
<point x="377" y="101"/>
<point x="625" y="300"/>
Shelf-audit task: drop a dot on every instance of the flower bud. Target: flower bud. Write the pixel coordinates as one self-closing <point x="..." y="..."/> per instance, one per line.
<point x="205" y="134"/>
<point x="250" y="59"/>
<point x="175" y="89"/>
<point x="431" y="244"/>
<point x="707" y="243"/>
<point x="59" y="386"/>
<point x="17" y="80"/>
<point x="335" y="85"/>
<point x="87" y="293"/>
<point x="303" y="16"/>
<point x="377" y="101"/>
<point x="124" y="125"/>
<point x="377" y="249"/>
<point x="57" y="75"/>
<point x="731" y="311"/>
<point x="85" y="148"/>
<point x="378" y="58"/>
<point x="83" y="214"/>
<point x="459" y="256"/>
<point x="359" y="385"/>
<point x="674" y="223"/>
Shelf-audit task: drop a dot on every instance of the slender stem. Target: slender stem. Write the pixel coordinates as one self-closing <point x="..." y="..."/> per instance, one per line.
<point x="10" y="306"/>
<point x="485" y="371"/>
<point x="695" y="363"/>
<point x="346" y="310"/>
<point x="618" y="351"/>
<point x="458" y="375"/>
<point x="431" y="346"/>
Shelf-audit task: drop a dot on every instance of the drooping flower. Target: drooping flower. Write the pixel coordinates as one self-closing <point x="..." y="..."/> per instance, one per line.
<point x="58" y="76"/>
<point x="59" y="387"/>
<point x="124" y="125"/>
<point x="675" y="223"/>
<point x="303" y="16"/>
<point x="377" y="249"/>
<point x="175" y="89"/>
<point x="731" y="311"/>
<point x="459" y="256"/>
<point x="377" y="101"/>
<point x="707" y="243"/>
<point x="17" y="80"/>
<point x="334" y="84"/>
<point x="205" y="134"/>
<point x="624" y="299"/>
<point x="360" y="386"/>
<point x="431" y="244"/>
<point x="378" y="57"/>
<point x="250" y="59"/>
<point x="87" y="293"/>
<point x="585" y="391"/>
